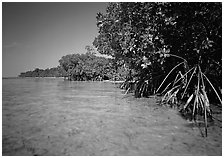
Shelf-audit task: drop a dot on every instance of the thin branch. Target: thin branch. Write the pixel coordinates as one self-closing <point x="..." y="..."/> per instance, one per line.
<point x="212" y="88"/>
<point x="176" y="78"/>
<point x="178" y="57"/>
<point x="184" y="75"/>
<point x="127" y="90"/>
<point x="168" y="75"/>
<point x="166" y="88"/>
<point x="188" y="83"/>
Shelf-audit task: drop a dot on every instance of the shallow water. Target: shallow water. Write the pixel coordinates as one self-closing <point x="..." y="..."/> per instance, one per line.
<point x="48" y="116"/>
<point x="53" y="91"/>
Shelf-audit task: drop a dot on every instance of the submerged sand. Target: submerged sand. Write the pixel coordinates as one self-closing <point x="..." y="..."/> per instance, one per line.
<point x="107" y="124"/>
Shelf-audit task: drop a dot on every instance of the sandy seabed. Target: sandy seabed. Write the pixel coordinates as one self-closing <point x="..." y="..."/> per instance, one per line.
<point x="105" y="125"/>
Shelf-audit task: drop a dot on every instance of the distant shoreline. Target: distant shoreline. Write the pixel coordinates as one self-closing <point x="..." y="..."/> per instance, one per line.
<point x="28" y="77"/>
<point x="61" y="78"/>
<point x="9" y="77"/>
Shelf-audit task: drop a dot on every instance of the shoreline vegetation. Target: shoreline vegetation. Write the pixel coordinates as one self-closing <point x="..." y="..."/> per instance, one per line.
<point x="82" y="67"/>
<point x="169" y="49"/>
<point x="112" y="81"/>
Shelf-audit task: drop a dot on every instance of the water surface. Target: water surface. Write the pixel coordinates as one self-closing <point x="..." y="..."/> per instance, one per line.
<point x="48" y="116"/>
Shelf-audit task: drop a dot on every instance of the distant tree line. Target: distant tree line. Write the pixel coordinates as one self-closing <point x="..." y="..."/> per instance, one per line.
<point x="52" y="72"/>
<point x="82" y="67"/>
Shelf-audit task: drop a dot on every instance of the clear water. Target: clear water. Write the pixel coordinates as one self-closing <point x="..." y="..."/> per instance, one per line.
<point x="36" y="112"/>
<point x="53" y="117"/>
<point x="52" y="91"/>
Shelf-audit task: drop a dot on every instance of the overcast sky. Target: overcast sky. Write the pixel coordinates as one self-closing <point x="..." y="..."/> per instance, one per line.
<point x="37" y="35"/>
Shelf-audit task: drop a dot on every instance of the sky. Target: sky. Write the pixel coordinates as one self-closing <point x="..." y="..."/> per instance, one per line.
<point x="37" y="35"/>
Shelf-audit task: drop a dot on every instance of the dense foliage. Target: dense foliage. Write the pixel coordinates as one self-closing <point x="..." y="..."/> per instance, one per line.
<point x="144" y="36"/>
<point x="170" y="48"/>
<point x="88" y="66"/>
